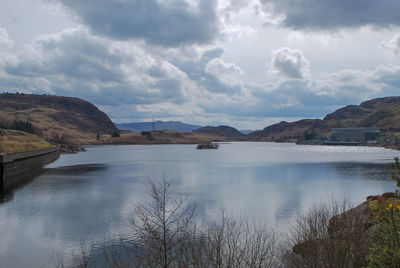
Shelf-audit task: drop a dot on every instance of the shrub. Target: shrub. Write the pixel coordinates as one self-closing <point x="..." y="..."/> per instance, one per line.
<point x="147" y="134"/>
<point x="326" y="236"/>
<point x="17" y="125"/>
<point x="115" y="133"/>
<point x="385" y="251"/>
<point x="57" y="139"/>
<point x="396" y="174"/>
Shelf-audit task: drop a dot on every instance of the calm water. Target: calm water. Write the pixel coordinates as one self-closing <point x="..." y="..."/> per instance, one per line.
<point x="90" y="196"/>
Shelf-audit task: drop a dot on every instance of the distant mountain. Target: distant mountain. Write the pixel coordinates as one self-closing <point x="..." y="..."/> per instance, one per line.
<point x="159" y="125"/>
<point x="223" y="131"/>
<point x="74" y="118"/>
<point x="383" y="113"/>
<point x="246" y="131"/>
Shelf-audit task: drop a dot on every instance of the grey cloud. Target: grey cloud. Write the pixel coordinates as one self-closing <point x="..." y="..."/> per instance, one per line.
<point x="213" y="53"/>
<point x="389" y="77"/>
<point x="168" y="23"/>
<point x="234" y="6"/>
<point x="335" y="14"/>
<point x="211" y="73"/>
<point x="74" y="63"/>
<point x="290" y="63"/>
<point x="72" y="53"/>
<point x="393" y="44"/>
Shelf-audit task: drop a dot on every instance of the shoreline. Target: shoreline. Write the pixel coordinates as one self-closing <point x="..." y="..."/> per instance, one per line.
<point x="18" y="168"/>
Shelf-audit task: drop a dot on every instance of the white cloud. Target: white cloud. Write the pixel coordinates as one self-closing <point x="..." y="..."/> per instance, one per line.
<point x="226" y="73"/>
<point x="5" y="41"/>
<point x="290" y="63"/>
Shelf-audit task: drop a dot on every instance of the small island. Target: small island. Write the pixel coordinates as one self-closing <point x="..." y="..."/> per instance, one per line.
<point x="210" y="145"/>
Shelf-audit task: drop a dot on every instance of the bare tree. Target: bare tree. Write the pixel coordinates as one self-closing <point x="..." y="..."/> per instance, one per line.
<point x="162" y="224"/>
<point x="328" y="236"/>
<point x="165" y="235"/>
<point x="236" y="243"/>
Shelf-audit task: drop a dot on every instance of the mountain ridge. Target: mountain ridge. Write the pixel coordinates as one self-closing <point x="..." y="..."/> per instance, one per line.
<point x="383" y="113"/>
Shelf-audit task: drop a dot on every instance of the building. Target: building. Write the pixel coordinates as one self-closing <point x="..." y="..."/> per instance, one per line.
<point x="359" y="135"/>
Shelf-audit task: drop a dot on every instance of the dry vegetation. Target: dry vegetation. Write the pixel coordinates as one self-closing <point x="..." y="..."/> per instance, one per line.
<point x="12" y="141"/>
<point x="52" y="115"/>
<point x="157" y="137"/>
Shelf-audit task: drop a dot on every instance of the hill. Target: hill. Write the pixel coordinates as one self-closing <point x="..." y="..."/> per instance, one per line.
<point x="223" y="131"/>
<point x="285" y="131"/>
<point x="54" y="116"/>
<point x="12" y="141"/>
<point x="383" y="113"/>
<point x="158" y="125"/>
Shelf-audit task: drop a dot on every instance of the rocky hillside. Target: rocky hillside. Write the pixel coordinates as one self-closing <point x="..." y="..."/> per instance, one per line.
<point x="52" y="116"/>
<point x="381" y="112"/>
<point x="223" y="131"/>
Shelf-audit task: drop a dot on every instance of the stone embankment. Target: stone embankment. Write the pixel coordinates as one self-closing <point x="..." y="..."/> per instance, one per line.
<point x="17" y="168"/>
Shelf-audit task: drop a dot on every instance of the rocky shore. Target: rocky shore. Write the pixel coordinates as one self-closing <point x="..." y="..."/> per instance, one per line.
<point x="71" y="148"/>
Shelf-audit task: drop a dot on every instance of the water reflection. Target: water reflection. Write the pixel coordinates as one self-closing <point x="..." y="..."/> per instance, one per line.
<point x="6" y="196"/>
<point x="76" y="169"/>
<point x="90" y="196"/>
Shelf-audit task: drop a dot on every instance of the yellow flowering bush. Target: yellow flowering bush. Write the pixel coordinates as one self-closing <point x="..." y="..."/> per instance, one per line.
<point x="385" y="251"/>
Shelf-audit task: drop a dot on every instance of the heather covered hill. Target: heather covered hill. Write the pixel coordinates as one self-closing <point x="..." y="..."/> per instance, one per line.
<point x="52" y="116"/>
<point x="383" y="113"/>
<point x="285" y="131"/>
<point x="223" y="131"/>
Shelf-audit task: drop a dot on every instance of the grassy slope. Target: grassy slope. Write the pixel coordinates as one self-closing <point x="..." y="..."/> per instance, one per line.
<point x="12" y="141"/>
<point x="50" y="115"/>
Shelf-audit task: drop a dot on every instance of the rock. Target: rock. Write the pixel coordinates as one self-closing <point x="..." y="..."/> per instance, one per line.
<point x="349" y="234"/>
<point x="381" y="198"/>
<point x="355" y="221"/>
<point x="71" y="148"/>
<point x="208" y="146"/>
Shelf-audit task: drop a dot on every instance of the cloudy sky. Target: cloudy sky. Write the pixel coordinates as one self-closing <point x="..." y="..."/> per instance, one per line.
<point x="245" y="63"/>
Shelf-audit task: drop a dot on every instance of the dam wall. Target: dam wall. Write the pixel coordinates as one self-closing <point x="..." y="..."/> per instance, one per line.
<point x="18" y="168"/>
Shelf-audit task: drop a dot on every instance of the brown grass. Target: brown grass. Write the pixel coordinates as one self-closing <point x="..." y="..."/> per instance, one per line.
<point x="12" y="141"/>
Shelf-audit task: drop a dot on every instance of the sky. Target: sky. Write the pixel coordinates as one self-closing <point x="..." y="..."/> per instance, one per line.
<point x="243" y="63"/>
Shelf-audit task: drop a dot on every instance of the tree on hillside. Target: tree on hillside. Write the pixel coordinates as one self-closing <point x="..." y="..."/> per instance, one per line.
<point x="115" y="133"/>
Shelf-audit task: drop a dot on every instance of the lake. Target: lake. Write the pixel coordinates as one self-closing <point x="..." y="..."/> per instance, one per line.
<point x="90" y="196"/>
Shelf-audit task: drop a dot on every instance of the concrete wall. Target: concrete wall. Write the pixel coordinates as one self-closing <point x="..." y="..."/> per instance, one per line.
<point x="361" y="135"/>
<point x="21" y="167"/>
